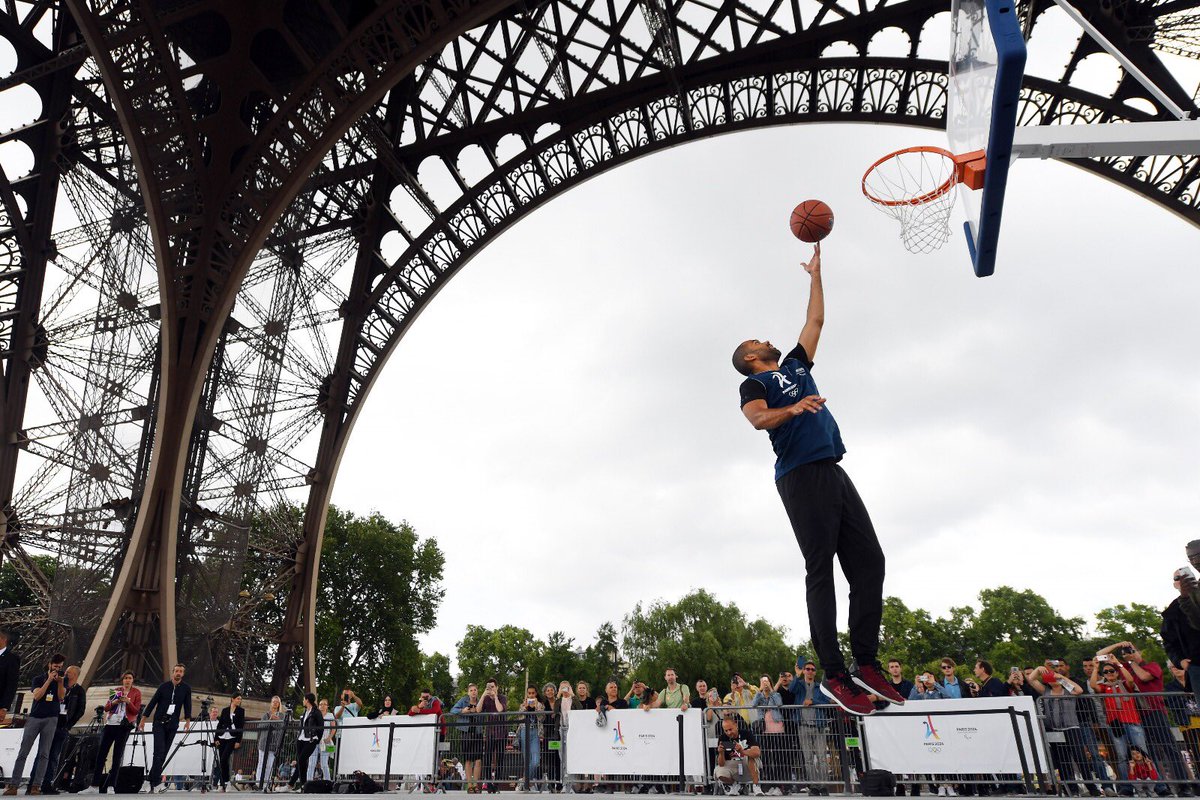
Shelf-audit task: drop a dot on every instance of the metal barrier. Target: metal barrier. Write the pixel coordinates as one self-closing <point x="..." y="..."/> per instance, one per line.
<point x="1094" y="751"/>
<point x="804" y="747"/>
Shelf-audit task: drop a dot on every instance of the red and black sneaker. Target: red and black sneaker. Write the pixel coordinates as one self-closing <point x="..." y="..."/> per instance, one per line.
<point x="874" y="681"/>
<point x="846" y="694"/>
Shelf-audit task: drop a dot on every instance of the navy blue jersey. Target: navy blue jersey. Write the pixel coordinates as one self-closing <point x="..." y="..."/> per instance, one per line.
<point x="803" y="439"/>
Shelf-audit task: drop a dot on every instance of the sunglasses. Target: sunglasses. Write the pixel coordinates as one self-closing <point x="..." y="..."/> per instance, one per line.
<point x="947" y="666"/>
<point x="1108" y="672"/>
<point x="810" y="669"/>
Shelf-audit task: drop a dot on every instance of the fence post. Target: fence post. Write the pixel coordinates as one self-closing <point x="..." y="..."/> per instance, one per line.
<point x="1012" y="717"/>
<point x="387" y="769"/>
<point x="682" y="769"/>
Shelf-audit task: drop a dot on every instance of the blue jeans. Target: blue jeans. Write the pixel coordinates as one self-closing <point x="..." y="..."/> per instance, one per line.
<point x="1088" y="739"/>
<point x="530" y="753"/>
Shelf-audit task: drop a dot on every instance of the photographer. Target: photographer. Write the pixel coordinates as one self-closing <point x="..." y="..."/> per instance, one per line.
<point x="120" y="713"/>
<point x="495" y="732"/>
<point x="1062" y="714"/>
<point x="528" y="739"/>
<point x="430" y="706"/>
<point x="171" y="702"/>
<point x="10" y="669"/>
<point x="470" y="735"/>
<point x="926" y="688"/>
<point x="351" y="704"/>
<point x="1148" y="680"/>
<point x="230" y="726"/>
<point x="48" y="695"/>
<point x="70" y="711"/>
<point x="738" y="755"/>
<point x="952" y="687"/>
<point x="1114" y="680"/>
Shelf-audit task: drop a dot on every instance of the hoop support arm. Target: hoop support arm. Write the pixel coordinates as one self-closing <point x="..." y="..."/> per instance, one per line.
<point x="1171" y="138"/>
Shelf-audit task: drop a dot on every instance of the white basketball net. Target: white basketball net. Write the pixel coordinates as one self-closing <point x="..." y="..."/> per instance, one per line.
<point x="915" y="188"/>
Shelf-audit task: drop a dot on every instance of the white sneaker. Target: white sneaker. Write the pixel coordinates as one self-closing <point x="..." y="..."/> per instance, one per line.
<point x="732" y="788"/>
<point x="950" y="792"/>
<point x="775" y="791"/>
<point x="756" y="790"/>
<point x="942" y="791"/>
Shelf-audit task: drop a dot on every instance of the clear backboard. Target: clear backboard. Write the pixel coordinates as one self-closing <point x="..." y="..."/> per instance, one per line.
<point x="987" y="64"/>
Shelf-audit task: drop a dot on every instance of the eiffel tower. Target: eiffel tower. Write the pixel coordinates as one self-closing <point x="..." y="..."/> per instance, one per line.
<point x="220" y="217"/>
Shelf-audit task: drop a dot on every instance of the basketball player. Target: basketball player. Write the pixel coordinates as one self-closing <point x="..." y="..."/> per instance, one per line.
<point x="827" y="515"/>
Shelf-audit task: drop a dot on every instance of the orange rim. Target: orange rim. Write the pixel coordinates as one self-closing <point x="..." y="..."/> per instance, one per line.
<point x="960" y="163"/>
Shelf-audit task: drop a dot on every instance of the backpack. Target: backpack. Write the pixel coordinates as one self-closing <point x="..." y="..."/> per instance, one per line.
<point x="363" y="783"/>
<point x="878" y="783"/>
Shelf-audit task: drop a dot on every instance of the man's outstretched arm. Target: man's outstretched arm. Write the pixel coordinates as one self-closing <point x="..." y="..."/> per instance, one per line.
<point x="811" y="333"/>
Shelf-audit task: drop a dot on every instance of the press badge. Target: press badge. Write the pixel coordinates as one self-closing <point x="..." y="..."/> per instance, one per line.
<point x="171" y="710"/>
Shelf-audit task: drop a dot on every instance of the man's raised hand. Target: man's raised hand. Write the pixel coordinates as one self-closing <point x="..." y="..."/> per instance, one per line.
<point x="813" y="265"/>
<point x="812" y="404"/>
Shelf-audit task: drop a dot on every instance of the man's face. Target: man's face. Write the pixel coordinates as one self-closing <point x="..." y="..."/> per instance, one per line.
<point x="1089" y="665"/>
<point x="730" y="726"/>
<point x="177" y="674"/>
<point x="214" y="714"/>
<point x="490" y="688"/>
<point x="980" y="672"/>
<point x="426" y="698"/>
<point x="57" y="666"/>
<point x="810" y="672"/>
<point x="947" y="671"/>
<point x="670" y="676"/>
<point x="701" y="688"/>
<point x="894" y="669"/>
<point x="763" y="350"/>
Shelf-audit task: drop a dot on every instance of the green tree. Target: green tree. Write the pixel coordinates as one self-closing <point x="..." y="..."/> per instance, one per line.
<point x="435" y="674"/>
<point x="14" y="592"/>
<point x="503" y="654"/>
<point x="1137" y="623"/>
<point x="380" y="588"/>
<point x="702" y="637"/>
<point x="1018" y="628"/>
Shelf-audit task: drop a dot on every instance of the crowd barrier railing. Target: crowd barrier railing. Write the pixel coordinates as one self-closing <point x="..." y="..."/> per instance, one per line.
<point x="818" y="748"/>
<point x="1093" y="738"/>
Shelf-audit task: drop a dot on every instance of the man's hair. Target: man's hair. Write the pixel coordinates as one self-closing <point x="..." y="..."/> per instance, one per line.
<point x="986" y="666"/>
<point x="490" y="680"/>
<point x="57" y="658"/>
<point x="179" y="666"/>
<point x="895" y="661"/>
<point x="427" y="691"/>
<point x="670" y="669"/>
<point x="949" y="660"/>
<point x="739" y="358"/>
<point x="4" y="635"/>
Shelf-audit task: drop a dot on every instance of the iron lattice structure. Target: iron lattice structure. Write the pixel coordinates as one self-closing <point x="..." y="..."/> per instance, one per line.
<point x="219" y="218"/>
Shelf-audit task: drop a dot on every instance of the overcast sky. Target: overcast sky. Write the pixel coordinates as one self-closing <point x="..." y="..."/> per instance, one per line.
<point x="564" y="418"/>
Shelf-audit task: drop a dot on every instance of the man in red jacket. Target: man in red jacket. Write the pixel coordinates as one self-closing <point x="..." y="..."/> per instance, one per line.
<point x="429" y="705"/>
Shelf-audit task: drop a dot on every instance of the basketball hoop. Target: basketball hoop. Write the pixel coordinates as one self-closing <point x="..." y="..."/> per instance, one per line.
<point x="914" y="186"/>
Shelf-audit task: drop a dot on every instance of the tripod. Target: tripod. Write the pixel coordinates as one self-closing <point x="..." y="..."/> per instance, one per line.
<point x="205" y="782"/>
<point x="69" y="761"/>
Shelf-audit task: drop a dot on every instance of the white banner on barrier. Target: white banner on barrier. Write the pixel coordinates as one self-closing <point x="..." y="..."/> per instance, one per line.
<point x="10" y="746"/>
<point x="188" y="750"/>
<point x="363" y="745"/>
<point x="933" y="742"/>
<point x="635" y="742"/>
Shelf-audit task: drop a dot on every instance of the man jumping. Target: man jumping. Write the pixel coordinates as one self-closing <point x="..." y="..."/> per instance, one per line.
<point x="827" y="515"/>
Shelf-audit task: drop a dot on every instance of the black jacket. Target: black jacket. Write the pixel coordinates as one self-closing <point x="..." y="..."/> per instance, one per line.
<point x="10" y="667"/>
<point x="161" y="702"/>
<point x="312" y="724"/>
<point x="234" y="723"/>
<point x="1179" y="637"/>
<point x="75" y="701"/>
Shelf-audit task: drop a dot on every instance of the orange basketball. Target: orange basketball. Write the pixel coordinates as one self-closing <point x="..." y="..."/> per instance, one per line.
<point x="812" y="221"/>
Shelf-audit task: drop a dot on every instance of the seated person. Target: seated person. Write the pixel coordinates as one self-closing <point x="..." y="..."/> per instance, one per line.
<point x="738" y="755"/>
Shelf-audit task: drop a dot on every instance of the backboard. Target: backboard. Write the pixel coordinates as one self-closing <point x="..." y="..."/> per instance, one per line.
<point x="987" y="64"/>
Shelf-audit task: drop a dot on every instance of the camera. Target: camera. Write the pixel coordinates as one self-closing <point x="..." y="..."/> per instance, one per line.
<point x="1124" y="651"/>
<point x="1102" y="658"/>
